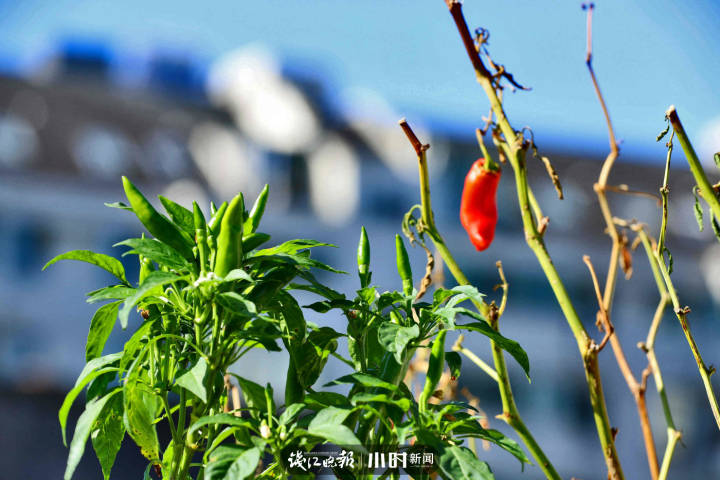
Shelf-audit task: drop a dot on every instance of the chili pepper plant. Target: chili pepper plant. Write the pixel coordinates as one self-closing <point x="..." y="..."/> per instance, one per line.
<point x="210" y="291"/>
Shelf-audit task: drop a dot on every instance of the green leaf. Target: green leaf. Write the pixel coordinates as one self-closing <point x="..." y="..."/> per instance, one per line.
<point x="454" y="362"/>
<point x="698" y="210"/>
<point x="328" y="425"/>
<point x="465" y="292"/>
<point x="237" y="304"/>
<point x="395" y="338"/>
<point x="366" y="397"/>
<point x="113" y="292"/>
<point x="72" y="395"/>
<point x="119" y="205"/>
<point x="220" y="461"/>
<point x="157" y="251"/>
<point x="716" y="158"/>
<point x="460" y="463"/>
<point x="498" y="439"/>
<point x="364" y="379"/>
<point x="107" y="434"/>
<point x="244" y="465"/>
<point x="715" y="226"/>
<point x="237" y="274"/>
<point x="313" y="354"/>
<point x="290" y="413"/>
<point x="193" y="380"/>
<point x="105" y="262"/>
<point x="153" y="280"/>
<point x="181" y="216"/>
<point x="253" y="393"/>
<point x="139" y="418"/>
<point x="292" y="247"/>
<point x="219" y="419"/>
<point x="317" y="400"/>
<point x="82" y="432"/>
<point x="510" y="346"/>
<point x="101" y="326"/>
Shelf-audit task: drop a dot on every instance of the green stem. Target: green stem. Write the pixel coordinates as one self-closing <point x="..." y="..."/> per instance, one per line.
<point x="681" y="314"/>
<point x="587" y="347"/>
<point x="695" y="167"/>
<point x="511" y="414"/>
<point x="479" y="362"/>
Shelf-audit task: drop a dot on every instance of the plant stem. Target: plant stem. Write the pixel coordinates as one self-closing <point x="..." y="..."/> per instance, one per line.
<point x="637" y="389"/>
<point x="475" y="359"/>
<point x="649" y="347"/>
<point x="695" y="167"/>
<point x="588" y="349"/>
<point x="510" y="413"/>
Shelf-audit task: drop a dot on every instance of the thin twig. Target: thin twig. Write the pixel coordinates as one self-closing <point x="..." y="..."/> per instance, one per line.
<point x="649" y="348"/>
<point x="618" y="248"/>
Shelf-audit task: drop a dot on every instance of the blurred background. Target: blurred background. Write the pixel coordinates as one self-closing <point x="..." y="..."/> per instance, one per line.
<point x="198" y="100"/>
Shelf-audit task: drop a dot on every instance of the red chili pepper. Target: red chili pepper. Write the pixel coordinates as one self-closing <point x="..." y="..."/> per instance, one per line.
<point x="478" y="211"/>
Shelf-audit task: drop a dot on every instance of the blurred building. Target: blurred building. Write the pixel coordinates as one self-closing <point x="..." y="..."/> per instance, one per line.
<point x="190" y="130"/>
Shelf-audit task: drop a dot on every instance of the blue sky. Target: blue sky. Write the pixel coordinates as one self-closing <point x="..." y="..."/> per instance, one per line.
<point x="648" y="54"/>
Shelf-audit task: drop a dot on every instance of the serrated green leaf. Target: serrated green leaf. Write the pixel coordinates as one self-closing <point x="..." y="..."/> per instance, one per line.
<point x="107" y="434"/>
<point x="82" y="432"/>
<point x="101" y="326"/>
<point x="156" y="251"/>
<point x="153" y="280"/>
<point x="193" y="380"/>
<point x="106" y="262"/>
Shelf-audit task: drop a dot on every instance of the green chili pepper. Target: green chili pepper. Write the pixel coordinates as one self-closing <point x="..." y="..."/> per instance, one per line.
<point x="229" y="240"/>
<point x="403" y="265"/>
<point x="214" y="223"/>
<point x="213" y="208"/>
<point x="435" y="369"/>
<point x="363" y="259"/>
<point x="256" y="213"/>
<point x="146" y="268"/>
<point x="254" y="240"/>
<point x="200" y="236"/>
<point x="162" y="228"/>
<point x="294" y="391"/>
